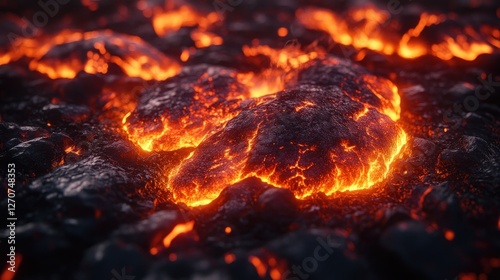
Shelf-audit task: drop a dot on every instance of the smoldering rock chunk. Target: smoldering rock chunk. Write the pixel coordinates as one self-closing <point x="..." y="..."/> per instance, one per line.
<point x="390" y="215"/>
<point x="472" y="155"/>
<point x="122" y="151"/>
<point x="123" y="55"/>
<point x="414" y="199"/>
<point x="355" y="81"/>
<point x="150" y="230"/>
<point x="40" y="155"/>
<point x="10" y="131"/>
<point x="441" y="203"/>
<point x="236" y="198"/>
<point x="235" y="207"/>
<point x="187" y="106"/>
<point x="113" y="260"/>
<point x="318" y="254"/>
<point x="278" y="206"/>
<point x="409" y="248"/>
<point x="422" y="156"/>
<point x="65" y="113"/>
<point x="303" y="140"/>
<point x="93" y="188"/>
<point x="424" y="146"/>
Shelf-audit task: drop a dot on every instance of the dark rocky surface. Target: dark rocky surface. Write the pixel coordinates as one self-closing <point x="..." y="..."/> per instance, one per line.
<point x="92" y="205"/>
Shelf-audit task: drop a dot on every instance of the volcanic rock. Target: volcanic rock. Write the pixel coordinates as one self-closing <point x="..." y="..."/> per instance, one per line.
<point x="303" y="139"/>
<point x="113" y="259"/>
<point x="38" y="156"/>
<point x="188" y="106"/>
<point x="417" y="251"/>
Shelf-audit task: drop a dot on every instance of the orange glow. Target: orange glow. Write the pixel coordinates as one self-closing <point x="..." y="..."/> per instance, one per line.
<point x="172" y="257"/>
<point x="275" y="274"/>
<point x="269" y="266"/>
<point x="91" y="5"/>
<point x="229" y="258"/>
<point x="182" y="133"/>
<point x="202" y="190"/>
<point x="260" y="267"/>
<point x="284" y="65"/>
<point x="387" y="93"/>
<point x="178" y="229"/>
<point x="73" y="149"/>
<point x="367" y="35"/>
<point x="153" y="251"/>
<point x="460" y="47"/>
<point x="369" y="22"/>
<point x="189" y="130"/>
<point x="140" y="59"/>
<point x="468" y="276"/>
<point x="414" y="51"/>
<point x="184" y="55"/>
<point x="227" y="230"/>
<point x="449" y="235"/>
<point x="9" y="275"/>
<point x="7" y="57"/>
<point x="204" y="39"/>
<point x="282" y="31"/>
<point x="173" y="18"/>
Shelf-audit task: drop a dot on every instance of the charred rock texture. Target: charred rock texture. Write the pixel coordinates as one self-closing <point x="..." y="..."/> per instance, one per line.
<point x="180" y="111"/>
<point x="121" y="116"/>
<point x="308" y="139"/>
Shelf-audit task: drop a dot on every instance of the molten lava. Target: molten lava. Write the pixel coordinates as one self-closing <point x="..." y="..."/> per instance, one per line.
<point x="283" y="69"/>
<point x="335" y="132"/>
<point x="174" y="16"/>
<point x="60" y="55"/>
<point x="176" y="231"/>
<point x="362" y="28"/>
<point x="307" y="122"/>
<point x="179" y="113"/>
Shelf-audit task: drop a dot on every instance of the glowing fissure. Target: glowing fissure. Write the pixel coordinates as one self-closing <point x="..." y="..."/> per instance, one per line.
<point x="227" y="125"/>
<point x="362" y="28"/>
<point x="135" y="57"/>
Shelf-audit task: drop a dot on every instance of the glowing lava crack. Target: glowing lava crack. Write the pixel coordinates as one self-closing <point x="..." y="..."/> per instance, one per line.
<point x="333" y="130"/>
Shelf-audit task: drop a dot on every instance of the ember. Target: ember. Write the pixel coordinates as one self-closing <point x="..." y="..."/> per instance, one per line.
<point x="180" y="139"/>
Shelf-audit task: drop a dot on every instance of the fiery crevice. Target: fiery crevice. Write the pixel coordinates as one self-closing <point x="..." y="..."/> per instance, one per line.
<point x="372" y="28"/>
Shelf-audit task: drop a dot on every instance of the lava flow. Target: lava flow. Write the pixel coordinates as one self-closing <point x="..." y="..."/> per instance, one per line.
<point x="315" y="137"/>
<point x="371" y="28"/>
<point x="277" y="125"/>
<point x="65" y="54"/>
